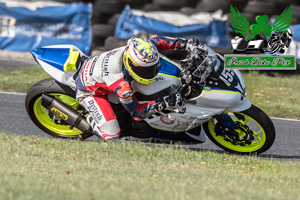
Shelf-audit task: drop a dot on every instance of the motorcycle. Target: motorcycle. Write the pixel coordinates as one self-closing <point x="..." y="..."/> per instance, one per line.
<point x="214" y="103"/>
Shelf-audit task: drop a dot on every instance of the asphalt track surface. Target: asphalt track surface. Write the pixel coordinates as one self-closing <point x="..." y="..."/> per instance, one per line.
<point x="14" y="120"/>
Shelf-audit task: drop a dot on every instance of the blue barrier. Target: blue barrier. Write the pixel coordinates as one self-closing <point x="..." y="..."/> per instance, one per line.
<point x="28" y="26"/>
<point x="214" y="33"/>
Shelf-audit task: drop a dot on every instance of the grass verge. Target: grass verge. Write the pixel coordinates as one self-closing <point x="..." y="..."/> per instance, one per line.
<point x="278" y="96"/>
<point x="21" y="80"/>
<point x="44" y="168"/>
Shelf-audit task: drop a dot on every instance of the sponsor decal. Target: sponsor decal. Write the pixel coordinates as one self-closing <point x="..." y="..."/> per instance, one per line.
<point x="95" y="111"/>
<point x="7" y="26"/>
<point x="86" y="68"/>
<point x="104" y="64"/>
<point x="166" y="120"/>
<point x="58" y="113"/>
<point x="252" y="41"/>
<point x="93" y="65"/>
<point x="126" y="101"/>
<point x="207" y="88"/>
<point x="127" y="94"/>
<point x="189" y="123"/>
<point x="159" y="78"/>
<point x="104" y="67"/>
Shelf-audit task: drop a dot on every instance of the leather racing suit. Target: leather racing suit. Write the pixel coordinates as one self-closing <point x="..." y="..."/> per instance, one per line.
<point x="105" y="74"/>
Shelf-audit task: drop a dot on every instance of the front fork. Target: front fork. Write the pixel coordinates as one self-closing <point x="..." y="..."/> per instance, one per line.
<point x="226" y="120"/>
<point x="231" y="130"/>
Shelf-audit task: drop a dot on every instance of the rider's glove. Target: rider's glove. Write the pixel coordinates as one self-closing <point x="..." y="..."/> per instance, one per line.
<point x="191" y="45"/>
<point x="170" y="101"/>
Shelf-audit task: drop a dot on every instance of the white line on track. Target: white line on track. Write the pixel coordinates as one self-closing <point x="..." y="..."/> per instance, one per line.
<point x="295" y="120"/>
<point x="17" y="93"/>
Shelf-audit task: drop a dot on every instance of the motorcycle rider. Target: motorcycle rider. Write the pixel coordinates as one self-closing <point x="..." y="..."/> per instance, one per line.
<point x="279" y="40"/>
<point x="113" y="71"/>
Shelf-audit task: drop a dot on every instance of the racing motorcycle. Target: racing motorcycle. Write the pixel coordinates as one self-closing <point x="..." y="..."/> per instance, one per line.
<point x="213" y="103"/>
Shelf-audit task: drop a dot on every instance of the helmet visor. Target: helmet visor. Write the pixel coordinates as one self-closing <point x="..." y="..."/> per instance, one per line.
<point x="144" y="72"/>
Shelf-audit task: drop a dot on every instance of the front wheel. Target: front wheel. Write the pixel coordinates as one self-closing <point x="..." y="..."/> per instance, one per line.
<point x="255" y="134"/>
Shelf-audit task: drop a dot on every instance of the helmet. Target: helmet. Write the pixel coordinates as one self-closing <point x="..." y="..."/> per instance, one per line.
<point x="141" y="60"/>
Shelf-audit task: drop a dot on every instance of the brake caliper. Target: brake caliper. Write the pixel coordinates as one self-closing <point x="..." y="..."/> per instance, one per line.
<point x="232" y="136"/>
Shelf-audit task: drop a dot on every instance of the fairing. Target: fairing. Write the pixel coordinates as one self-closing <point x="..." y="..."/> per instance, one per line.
<point x="53" y="58"/>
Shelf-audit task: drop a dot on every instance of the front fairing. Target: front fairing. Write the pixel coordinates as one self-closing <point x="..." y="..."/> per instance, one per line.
<point x="223" y="78"/>
<point x="220" y="79"/>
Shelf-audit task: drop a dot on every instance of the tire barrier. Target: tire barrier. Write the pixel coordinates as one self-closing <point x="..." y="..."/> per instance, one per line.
<point x="108" y="6"/>
<point x="106" y="14"/>
<point x="108" y="11"/>
<point x="266" y="8"/>
<point x="101" y="32"/>
<point x="213" y="5"/>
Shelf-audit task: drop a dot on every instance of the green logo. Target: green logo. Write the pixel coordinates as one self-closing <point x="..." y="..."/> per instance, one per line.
<point x="253" y="40"/>
<point x="264" y="62"/>
<point x="241" y="25"/>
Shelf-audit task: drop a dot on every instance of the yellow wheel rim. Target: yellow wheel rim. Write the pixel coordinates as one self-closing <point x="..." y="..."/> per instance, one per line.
<point x="258" y="133"/>
<point x="41" y="114"/>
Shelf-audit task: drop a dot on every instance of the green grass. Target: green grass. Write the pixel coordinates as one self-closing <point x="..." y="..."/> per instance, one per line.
<point x="45" y="168"/>
<point x="21" y="80"/>
<point x="278" y="96"/>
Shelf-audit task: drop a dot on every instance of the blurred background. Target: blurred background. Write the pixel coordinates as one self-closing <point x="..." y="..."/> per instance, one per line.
<point x="99" y="25"/>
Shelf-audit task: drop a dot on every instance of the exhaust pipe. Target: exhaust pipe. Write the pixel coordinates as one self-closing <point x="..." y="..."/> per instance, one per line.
<point x="66" y="113"/>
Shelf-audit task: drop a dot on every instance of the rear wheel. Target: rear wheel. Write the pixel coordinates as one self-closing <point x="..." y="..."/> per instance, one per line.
<point x="46" y="121"/>
<point x="255" y="134"/>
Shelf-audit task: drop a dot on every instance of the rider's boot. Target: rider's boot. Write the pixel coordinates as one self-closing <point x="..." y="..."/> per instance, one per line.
<point x="114" y="130"/>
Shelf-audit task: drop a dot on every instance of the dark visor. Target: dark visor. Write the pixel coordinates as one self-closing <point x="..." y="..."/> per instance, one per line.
<point x="144" y="72"/>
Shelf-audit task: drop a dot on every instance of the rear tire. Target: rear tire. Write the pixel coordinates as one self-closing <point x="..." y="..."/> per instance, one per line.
<point x="264" y="136"/>
<point x="40" y="116"/>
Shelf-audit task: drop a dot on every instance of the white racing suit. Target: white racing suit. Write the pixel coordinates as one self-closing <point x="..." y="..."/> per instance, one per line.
<point x="105" y="74"/>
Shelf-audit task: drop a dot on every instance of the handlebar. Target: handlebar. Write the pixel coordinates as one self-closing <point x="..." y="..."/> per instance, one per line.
<point x="201" y="60"/>
<point x="198" y="64"/>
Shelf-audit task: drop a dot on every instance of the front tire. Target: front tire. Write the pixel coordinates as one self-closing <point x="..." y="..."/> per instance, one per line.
<point x="253" y="118"/>
<point x="40" y="115"/>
